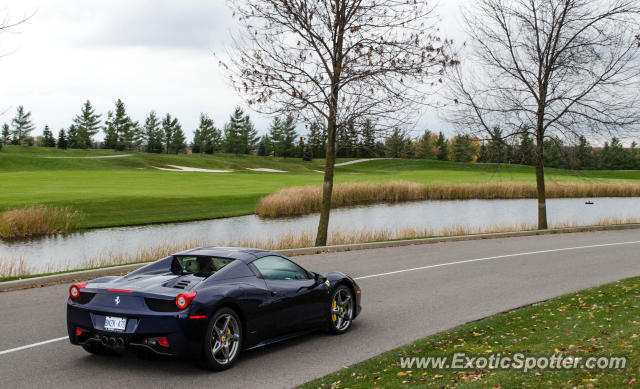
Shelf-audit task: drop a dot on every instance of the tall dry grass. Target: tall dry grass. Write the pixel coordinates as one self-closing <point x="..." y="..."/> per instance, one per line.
<point x="37" y="220"/>
<point x="304" y="200"/>
<point x="18" y="267"/>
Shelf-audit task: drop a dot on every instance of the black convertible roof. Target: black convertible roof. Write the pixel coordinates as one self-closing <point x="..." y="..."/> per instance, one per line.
<point x="239" y="253"/>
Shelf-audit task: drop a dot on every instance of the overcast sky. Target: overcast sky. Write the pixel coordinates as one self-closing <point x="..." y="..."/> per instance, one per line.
<point x="153" y="54"/>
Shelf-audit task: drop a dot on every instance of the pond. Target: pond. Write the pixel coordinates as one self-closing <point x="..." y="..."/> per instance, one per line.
<point x="77" y="249"/>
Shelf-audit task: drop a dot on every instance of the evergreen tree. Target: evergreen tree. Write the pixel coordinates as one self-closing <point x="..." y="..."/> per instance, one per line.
<point x="47" y="138"/>
<point x="583" y="154"/>
<point x="352" y="140"/>
<point x="62" y="140"/>
<point x="286" y="143"/>
<point x="248" y="136"/>
<point x="526" y="154"/>
<point x="262" y="146"/>
<point x="211" y="137"/>
<point x="343" y="143"/>
<point x="121" y="133"/>
<point x="274" y="137"/>
<point x="22" y="127"/>
<point x="613" y="155"/>
<point x="496" y="149"/>
<point x="462" y="149"/>
<point x="367" y="143"/>
<point x="425" y="146"/>
<point x="178" y="140"/>
<point x="153" y="133"/>
<point x="235" y="134"/>
<point x="554" y="153"/>
<point x="318" y="140"/>
<point x="169" y="127"/>
<point x="442" y="148"/>
<point x="397" y="145"/>
<point x="6" y="134"/>
<point x="307" y="153"/>
<point x="74" y="138"/>
<point x="87" y="125"/>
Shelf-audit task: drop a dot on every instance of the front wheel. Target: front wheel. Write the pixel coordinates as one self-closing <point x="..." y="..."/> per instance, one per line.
<point x="341" y="311"/>
<point x="223" y="339"/>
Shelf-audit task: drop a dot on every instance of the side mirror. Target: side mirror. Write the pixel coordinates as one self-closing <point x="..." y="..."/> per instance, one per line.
<point x="318" y="278"/>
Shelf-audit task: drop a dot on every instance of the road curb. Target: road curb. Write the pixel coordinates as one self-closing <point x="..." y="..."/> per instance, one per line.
<point x="124" y="269"/>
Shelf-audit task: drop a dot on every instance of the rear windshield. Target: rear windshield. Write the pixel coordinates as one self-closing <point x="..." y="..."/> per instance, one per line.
<point x="198" y="265"/>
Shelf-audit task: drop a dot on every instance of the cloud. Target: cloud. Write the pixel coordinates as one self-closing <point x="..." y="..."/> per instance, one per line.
<point x="193" y="24"/>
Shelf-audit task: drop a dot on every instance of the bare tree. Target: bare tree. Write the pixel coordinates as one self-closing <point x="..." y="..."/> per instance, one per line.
<point x="8" y="24"/>
<point x="337" y="61"/>
<point x="549" y="68"/>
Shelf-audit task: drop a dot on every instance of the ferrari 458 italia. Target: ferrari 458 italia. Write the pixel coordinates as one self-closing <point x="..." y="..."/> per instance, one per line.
<point x="210" y="303"/>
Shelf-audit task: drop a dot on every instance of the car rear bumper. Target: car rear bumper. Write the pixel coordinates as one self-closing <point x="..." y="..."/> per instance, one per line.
<point x="183" y="335"/>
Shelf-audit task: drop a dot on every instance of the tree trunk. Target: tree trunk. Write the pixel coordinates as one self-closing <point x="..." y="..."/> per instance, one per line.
<point x="542" y="194"/>
<point x="327" y="187"/>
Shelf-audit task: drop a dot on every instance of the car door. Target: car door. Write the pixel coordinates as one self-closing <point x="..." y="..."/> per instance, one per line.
<point x="299" y="301"/>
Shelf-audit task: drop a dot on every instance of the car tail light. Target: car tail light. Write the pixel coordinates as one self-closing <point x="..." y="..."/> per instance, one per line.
<point x="163" y="342"/>
<point x="74" y="290"/>
<point x="78" y="331"/>
<point x="184" y="299"/>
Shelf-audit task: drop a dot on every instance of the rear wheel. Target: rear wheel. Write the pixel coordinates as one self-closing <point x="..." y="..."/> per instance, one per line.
<point x="223" y="339"/>
<point x="341" y="310"/>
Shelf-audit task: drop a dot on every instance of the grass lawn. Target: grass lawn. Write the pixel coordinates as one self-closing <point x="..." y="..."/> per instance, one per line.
<point x="128" y="190"/>
<point x="601" y="321"/>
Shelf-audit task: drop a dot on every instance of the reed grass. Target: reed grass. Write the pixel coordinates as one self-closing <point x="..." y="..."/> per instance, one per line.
<point x="18" y="268"/>
<point x="305" y="200"/>
<point x="37" y="220"/>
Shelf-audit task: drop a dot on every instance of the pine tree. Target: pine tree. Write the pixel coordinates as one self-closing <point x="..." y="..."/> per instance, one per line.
<point x="6" y="134"/>
<point x="262" y="146"/>
<point x="526" y="154"/>
<point x="211" y="136"/>
<point x="584" y="154"/>
<point x="62" y="140"/>
<point x="47" y="138"/>
<point x="397" y="145"/>
<point x="442" y="147"/>
<point x="121" y="133"/>
<point x="248" y="135"/>
<point x="275" y="137"/>
<point x="87" y="125"/>
<point x="462" y="149"/>
<point x="554" y="153"/>
<point x="425" y="147"/>
<point x="288" y="135"/>
<point x="233" y="132"/>
<point x="75" y="140"/>
<point x="496" y="149"/>
<point x="367" y="142"/>
<point x="178" y="140"/>
<point x="22" y="127"/>
<point x="307" y="153"/>
<point x="153" y="133"/>
<point x="318" y="140"/>
<point x="169" y="126"/>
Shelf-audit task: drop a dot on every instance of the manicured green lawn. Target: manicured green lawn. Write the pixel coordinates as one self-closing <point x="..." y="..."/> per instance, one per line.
<point x="601" y="321"/>
<point x="125" y="191"/>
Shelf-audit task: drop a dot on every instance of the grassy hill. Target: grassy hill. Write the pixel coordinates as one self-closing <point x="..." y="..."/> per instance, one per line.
<point x="130" y="190"/>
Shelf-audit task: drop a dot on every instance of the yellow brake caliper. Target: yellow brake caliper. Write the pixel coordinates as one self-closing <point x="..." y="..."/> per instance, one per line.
<point x="333" y="315"/>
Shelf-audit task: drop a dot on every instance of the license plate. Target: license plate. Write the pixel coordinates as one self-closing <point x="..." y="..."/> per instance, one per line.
<point x="112" y="323"/>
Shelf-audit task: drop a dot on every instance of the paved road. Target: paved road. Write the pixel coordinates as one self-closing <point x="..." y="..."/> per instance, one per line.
<point x="408" y="293"/>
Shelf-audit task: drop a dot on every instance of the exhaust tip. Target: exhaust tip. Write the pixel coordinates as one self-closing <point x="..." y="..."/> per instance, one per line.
<point x="120" y="342"/>
<point x="104" y="340"/>
<point x="112" y="341"/>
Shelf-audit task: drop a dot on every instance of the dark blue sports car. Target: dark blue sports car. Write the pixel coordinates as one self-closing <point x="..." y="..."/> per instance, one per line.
<point x="210" y="303"/>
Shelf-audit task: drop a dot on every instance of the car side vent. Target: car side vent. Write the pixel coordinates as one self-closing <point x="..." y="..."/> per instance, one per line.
<point x="85" y="297"/>
<point x="160" y="305"/>
<point x="182" y="284"/>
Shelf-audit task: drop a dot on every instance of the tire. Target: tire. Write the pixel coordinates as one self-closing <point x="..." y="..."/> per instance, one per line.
<point x="227" y="339"/>
<point x="341" y="310"/>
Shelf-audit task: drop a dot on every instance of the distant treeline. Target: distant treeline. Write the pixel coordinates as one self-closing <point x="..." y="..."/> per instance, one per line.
<point x="239" y="136"/>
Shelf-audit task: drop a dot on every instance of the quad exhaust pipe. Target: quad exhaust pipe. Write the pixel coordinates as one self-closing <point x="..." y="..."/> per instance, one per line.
<point x="112" y="341"/>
